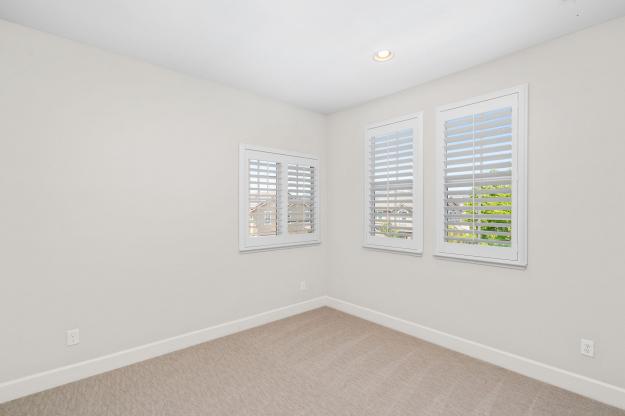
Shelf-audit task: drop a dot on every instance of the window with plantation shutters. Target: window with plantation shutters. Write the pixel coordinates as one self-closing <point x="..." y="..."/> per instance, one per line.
<point x="393" y="191"/>
<point x="481" y="204"/>
<point x="278" y="199"/>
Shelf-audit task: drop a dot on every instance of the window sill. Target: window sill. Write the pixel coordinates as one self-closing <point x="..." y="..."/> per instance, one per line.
<point x="398" y="250"/>
<point x="509" y="264"/>
<point x="244" y="250"/>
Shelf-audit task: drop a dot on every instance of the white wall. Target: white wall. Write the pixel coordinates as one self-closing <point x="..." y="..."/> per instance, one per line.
<point x="118" y="196"/>
<point x="118" y="203"/>
<point x="574" y="285"/>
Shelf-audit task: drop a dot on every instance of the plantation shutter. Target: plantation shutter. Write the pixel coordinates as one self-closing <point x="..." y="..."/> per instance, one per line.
<point x="301" y="199"/>
<point x="391" y="184"/>
<point x="478" y="163"/>
<point x="278" y="199"/>
<point x="264" y="198"/>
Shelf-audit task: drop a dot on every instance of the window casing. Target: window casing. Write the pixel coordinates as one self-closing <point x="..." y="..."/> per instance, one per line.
<point x="481" y="179"/>
<point x="278" y="198"/>
<point x="393" y="197"/>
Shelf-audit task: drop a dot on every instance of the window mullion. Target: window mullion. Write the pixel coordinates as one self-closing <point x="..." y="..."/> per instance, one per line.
<point x="283" y="195"/>
<point x="473" y="224"/>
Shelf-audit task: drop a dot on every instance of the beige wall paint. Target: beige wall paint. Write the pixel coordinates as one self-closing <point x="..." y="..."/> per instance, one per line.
<point x="574" y="285"/>
<point x="118" y="202"/>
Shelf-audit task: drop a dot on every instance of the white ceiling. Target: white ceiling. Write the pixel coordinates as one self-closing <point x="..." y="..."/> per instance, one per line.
<point x="315" y="53"/>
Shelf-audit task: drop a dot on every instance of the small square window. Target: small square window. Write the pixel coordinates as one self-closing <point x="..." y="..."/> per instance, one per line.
<point x="278" y="195"/>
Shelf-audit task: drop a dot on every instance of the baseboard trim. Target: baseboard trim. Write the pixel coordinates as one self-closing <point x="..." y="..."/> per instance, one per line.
<point x="48" y="379"/>
<point x="585" y="386"/>
<point x="567" y="380"/>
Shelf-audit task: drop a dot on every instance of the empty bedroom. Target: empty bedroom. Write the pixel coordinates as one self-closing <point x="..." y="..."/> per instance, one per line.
<point x="312" y="208"/>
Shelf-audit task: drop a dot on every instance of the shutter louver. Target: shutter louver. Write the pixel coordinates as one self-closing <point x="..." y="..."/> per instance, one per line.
<point x="301" y="199"/>
<point x="478" y="179"/>
<point x="264" y="204"/>
<point x="391" y="184"/>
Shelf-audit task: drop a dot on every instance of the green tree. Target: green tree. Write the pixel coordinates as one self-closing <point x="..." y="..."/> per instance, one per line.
<point x="499" y="208"/>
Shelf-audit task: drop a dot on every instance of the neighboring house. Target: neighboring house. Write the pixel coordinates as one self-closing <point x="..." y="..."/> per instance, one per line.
<point x="262" y="219"/>
<point x="399" y="214"/>
<point x="393" y="222"/>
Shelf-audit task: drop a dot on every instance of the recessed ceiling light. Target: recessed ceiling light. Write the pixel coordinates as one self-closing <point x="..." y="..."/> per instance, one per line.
<point x="383" y="55"/>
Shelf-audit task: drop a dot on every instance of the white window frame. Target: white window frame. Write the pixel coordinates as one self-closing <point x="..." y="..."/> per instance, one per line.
<point x="283" y="239"/>
<point x="516" y="255"/>
<point x="414" y="245"/>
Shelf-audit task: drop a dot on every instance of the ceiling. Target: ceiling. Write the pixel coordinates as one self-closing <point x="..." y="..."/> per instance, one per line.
<point x="316" y="54"/>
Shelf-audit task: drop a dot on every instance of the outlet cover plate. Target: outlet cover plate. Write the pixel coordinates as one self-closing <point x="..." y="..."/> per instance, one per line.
<point x="73" y="337"/>
<point x="587" y="347"/>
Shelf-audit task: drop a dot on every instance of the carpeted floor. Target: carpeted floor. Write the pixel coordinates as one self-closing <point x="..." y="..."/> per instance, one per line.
<point x="322" y="362"/>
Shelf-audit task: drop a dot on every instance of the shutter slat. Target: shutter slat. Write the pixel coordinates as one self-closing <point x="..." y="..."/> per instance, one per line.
<point x="398" y="170"/>
<point x="480" y="184"/>
<point x="393" y="147"/>
<point x="480" y="216"/>
<point x="478" y="200"/>
<point x="478" y="118"/>
<point x="478" y="240"/>
<point x="480" y="232"/>
<point x="392" y="144"/>
<point x="384" y="162"/>
<point x="387" y="201"/>
<point x="452" y="209"/>
<point x="499" y="165"/>
<point x="405" y="152"/>
<point x="408" y="230"/>
<point x="481" y="151"/>
<point x="449" y="179"/>
<point x="499" y="122"/>
<point x="478" y="159"/>
<point x="391" y="215"/>
<point x="399" y="134"/>
<point x="481" y="223"/>
<point x="484" y="140"/>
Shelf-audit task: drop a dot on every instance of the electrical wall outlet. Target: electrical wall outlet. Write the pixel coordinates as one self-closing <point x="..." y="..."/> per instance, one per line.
<point x="303" y="285"/>
<point x="73" y="336"/>
<point x="588" y="347"/>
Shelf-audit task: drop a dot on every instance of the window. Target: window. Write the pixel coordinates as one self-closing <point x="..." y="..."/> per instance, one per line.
<point x="278" y="198"/>
<point x="481" y="178"/>
<point x="393" y="199"/>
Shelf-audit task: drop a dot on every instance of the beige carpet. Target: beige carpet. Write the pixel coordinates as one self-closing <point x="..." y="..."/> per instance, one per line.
<point x="322" y="362"/>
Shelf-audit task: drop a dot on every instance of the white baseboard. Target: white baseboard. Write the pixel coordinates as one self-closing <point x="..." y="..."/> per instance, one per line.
<point x="567" y="380"/>
<point x="45" y="380"/>
<point x="576" y="383"/>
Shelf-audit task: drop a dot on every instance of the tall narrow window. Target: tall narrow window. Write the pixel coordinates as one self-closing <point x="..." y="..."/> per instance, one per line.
<point x="393" y="192"/>
<point x="279" y="204"/>
<point x="481" y="178"/>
